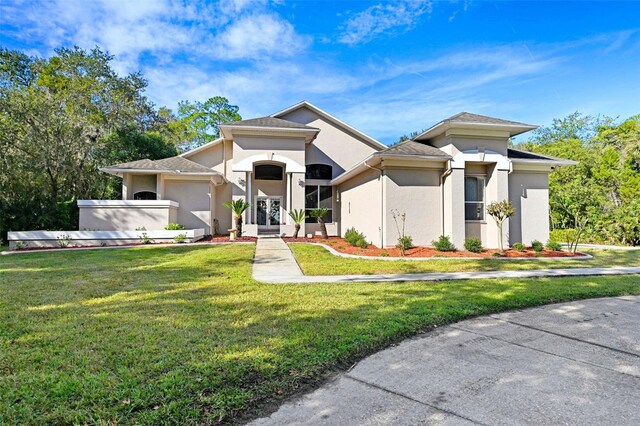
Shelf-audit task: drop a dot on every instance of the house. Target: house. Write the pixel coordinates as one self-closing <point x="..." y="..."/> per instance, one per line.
<point x="303" y="158"/>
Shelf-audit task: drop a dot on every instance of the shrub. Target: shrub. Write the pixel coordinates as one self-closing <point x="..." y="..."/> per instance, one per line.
<point x="473" y="245"/>
<point x="496" y="254"/>
<point x="174" y="227"/>
<point x="384" y="254"/>
<point x="405" y="243"/>
<point x="144" y="237"/>
<point x="537" y="246"/>
<point x="554" y="245"/>
<point x="443" y="244"/>
<point x="63" y="241"/>
<point x="180" y="238"/>
<point x="21" y="245"/>
<point x="518" y="247"/>
<point x="355" y="238"/>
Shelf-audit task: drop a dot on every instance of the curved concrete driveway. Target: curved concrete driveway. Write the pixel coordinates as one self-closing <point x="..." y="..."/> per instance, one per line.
<point x="571" y="363"/>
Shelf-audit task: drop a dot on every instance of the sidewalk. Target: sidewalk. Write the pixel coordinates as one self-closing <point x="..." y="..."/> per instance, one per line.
<point x="274" y="263"/>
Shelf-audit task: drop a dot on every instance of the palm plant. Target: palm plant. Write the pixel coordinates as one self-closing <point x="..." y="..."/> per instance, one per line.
<point x="237" y="207"/>
<point x="298" y="217"/>
<point x="319" y="215"/>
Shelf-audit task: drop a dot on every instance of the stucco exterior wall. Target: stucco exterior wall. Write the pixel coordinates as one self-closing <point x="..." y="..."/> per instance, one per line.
<point x="452" y="145"/>
<point x="194" y="198"/>
<point x="333" y="145"/>
<point x="222" y="194"/>
<point x="361" y="205"/>
<point x="118" y="216"/>
<point x="142" y="183"/>
<point x="415" y="192"/>
<point x="212" y="157"/>
<point x="529" y="193"/>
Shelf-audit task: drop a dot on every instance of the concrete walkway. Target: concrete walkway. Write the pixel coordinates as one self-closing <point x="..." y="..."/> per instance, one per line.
<point x="274" y="260"/>
<point x="571" y="363"/>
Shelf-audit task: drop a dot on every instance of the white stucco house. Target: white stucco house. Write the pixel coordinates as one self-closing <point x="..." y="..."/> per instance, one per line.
<point x="303" y="158"/>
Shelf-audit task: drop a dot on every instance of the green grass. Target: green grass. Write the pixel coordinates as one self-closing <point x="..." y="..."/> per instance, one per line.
<point x="183" y="335"/>
<point x="315" y="260"/>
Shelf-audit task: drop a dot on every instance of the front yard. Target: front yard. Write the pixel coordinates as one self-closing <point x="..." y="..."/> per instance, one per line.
<point x="183" y="335"/>
<point x="315" y="260"/>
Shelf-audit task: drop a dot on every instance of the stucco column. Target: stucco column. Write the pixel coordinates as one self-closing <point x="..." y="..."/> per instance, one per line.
<point x="288" y="195"/>
<point x="249" y="216"/>
<point x="297" y="195"/>
<point x="126" y="186"/>
<point x="497" y="190"/>
<point x="160" y="186"/>
<point x="453" y="208"/>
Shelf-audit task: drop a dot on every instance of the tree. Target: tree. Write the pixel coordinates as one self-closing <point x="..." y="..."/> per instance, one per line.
<point x="198" y="121"/>
<point x="501" y="211"/>
<point x="319" y="215"/>
<point x="298" y="217"/>
<point x="57" y="119"/>
<point x="237" y="207"/>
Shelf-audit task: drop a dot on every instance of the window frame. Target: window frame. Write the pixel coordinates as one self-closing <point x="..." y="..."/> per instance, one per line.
<point x="308" y="177"/>
<point x="483" y="202"/>
<point x="318" y="201"/>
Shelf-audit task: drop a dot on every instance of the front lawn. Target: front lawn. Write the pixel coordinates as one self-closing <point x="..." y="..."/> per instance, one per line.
<point x="183" y="335"/>
<point x="315" y="260"/>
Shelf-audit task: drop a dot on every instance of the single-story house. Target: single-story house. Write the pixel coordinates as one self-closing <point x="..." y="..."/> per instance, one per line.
<point x="304" y="158"/>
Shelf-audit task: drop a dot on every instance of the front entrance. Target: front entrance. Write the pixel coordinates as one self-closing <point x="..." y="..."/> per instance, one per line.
<point x="268" y="213"/>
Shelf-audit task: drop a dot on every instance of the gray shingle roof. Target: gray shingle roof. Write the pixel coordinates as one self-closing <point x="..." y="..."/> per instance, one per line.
<point x="171" y="164"/>
<point x="270" y="122"/>
<point x="467" y="117"/>
<point x="526" y="155"/>
<point x="412" y="147"/>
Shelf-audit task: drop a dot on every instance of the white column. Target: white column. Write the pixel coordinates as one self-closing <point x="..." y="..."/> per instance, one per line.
<point x="288" y="218"/>
<point x="248" y="198"/>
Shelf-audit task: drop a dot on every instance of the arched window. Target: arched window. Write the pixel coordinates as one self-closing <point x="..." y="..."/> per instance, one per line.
<point x="145" y="195"/>
<point x="268" y="172"/>
<point x="318" y="171"/>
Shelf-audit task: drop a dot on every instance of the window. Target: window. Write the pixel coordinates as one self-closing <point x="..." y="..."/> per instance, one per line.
<point x="318" y="197"/>
<point x="473" y="198"/>
<point x="144" y="195"/>
<point x="318" y="171"/>
<point x="268" y="172"/>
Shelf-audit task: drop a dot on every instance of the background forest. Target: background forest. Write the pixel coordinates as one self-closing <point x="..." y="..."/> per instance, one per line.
<point x="64" y="117"/>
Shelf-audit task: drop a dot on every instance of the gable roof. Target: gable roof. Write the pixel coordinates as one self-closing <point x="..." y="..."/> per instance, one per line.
<point x="271" y="122"/>
<point x="477" y="121"/>
<point x="526" y="156"/>
<point x="334" y="120"/>
<point x="413" y="148"/>
<point x="173" y="165"/>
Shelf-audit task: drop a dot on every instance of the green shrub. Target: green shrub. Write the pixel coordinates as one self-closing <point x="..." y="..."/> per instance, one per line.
<point x="496" y="254"/>
<point x="180" y="238"/>
<point x="355" y="238"/>
<point x="554" y="245"/>
<point x="518" y="247"/>
<point x="21" y="245"/>
<point x="537" y="246"/>
<point x="145" y="239"/>
<point x="443" y="244"/>
<point x="473" y="245"/>
<point x="405" y="242"/>
<point x="384" y="254"/>
<point x="64" y="241"/>
<point x="174" y="227"/>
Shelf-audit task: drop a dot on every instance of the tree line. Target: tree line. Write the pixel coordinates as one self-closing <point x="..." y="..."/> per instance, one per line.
<point x="64" y="117"/>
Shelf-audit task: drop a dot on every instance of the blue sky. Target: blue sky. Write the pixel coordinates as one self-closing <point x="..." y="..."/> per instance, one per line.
<point x="386" y="68"/>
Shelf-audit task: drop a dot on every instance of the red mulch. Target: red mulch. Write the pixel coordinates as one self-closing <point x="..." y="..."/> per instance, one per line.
<point x="225" y="239"/>
<point x="340" y="245"/>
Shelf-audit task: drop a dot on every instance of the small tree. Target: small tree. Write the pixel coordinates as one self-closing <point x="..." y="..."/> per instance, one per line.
<point x="237" y="207"/>
<point x="405" y="242"/>
<point x="319" y="215"/>
<point x="501" y="211"/>
<point x="298" y="217"/>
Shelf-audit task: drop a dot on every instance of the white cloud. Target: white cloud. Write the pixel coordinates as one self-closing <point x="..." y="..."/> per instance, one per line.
<point x="383" y="17"/>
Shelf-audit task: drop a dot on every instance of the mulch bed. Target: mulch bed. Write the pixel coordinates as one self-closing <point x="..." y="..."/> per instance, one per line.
<point x="225" y="239"/>
<point x="340" y="245"/>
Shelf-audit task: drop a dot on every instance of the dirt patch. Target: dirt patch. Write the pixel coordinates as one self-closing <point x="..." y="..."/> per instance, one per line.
<point x="340" y="245"/>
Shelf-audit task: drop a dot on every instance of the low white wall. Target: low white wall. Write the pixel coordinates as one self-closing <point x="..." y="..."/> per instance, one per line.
<point x="123" y="215"/>
<point x="33" y="239"/>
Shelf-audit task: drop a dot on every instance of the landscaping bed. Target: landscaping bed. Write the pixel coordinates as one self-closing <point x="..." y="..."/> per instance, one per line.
<point x="342" y="246"/>
<point x="225" y="239"/>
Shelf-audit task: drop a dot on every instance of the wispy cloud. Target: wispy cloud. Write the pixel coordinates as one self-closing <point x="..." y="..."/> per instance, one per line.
<point x="383" y="18"/>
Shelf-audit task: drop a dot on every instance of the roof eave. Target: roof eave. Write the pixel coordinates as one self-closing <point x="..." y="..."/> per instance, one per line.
<point x="201" y="147"/>
<point x="551" y="162"/>
<point x="414" y="156"/>
<point x="364" y="165"/>
<point x="443" y="126"/>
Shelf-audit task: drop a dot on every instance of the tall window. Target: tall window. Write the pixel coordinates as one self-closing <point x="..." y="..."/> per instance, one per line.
<point x="268" y="172"/>
<point x="473" y="198"/>
<point x="318" y="171"/>
<point x="318" y="197"/>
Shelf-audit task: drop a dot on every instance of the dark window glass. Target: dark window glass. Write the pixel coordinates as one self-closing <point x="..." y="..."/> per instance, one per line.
<point x="268" y="172"/>
<point x="473" y="198"/>
<point x="318" y="171"/>
<point x="144" y="195"/>
<point x="319" y="197"/>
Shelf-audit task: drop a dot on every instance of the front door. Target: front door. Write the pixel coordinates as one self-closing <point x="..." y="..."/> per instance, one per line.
<point x="268" y="212"/>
